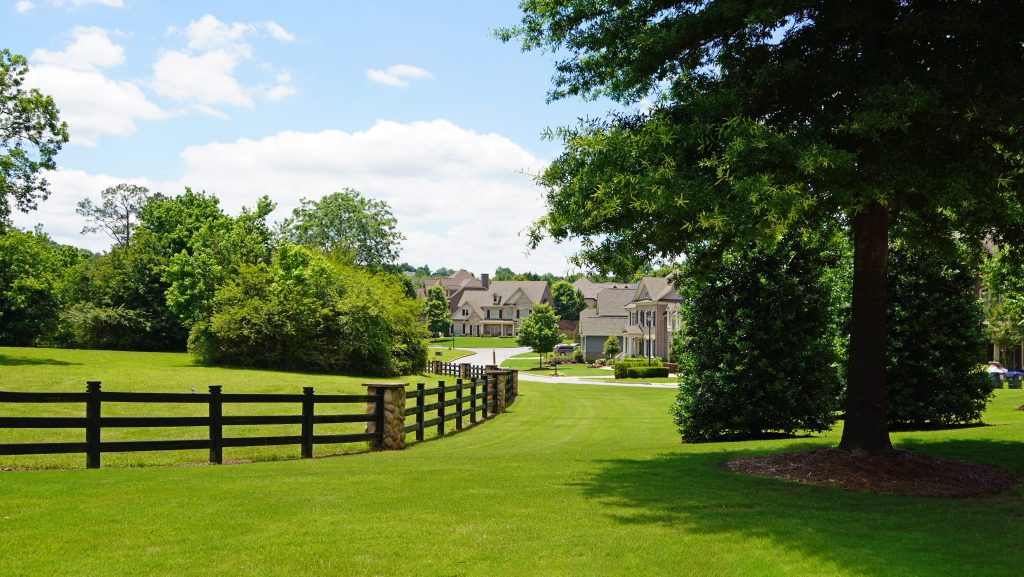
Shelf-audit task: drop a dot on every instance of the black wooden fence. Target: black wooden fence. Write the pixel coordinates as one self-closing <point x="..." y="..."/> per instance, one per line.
<point x="94" y="422"/>
<point x="467" y="401"/>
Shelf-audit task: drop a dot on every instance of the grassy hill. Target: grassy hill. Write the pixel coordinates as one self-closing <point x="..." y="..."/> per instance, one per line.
<point x="572" y="480"/>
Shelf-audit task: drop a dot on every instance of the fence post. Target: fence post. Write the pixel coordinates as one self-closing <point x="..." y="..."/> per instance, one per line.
<point x="420" y="403"/>
<point x="307" y="422"/>
<point x="435" y="367"/>
<point x="472" y="402"/>
<point x="464" y="370"/>
<point x="458" y="405"/>
<point x="499" y="390"/>
<point x="92" y="425"/>
<point x="487" y="394"/>
<point x="440" y="409"/>
<point x="389" y="408"/>
<point x="514" y="375"/>
<point x="216" y="426"/>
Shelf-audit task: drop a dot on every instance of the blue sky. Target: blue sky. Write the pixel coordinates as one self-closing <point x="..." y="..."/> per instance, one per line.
<point x="411" y="102"/>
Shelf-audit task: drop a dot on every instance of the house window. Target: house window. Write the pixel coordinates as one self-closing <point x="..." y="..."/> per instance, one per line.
<point x="488" y="313"/>
<point x="465" y="312"/>
<point x="499" y="313"/>
<point x="497" y="299"/>
<point x="517" y="313"/>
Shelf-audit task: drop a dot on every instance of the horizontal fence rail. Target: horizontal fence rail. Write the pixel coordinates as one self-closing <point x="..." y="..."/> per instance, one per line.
<point x="215" y="422"/>
<point x="391" y="410"/>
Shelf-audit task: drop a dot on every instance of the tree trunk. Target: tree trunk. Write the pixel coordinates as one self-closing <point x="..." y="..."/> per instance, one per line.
<point x="865" y="430"/>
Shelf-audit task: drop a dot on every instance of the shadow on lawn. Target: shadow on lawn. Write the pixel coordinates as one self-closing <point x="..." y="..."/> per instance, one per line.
<point x="867" y="534"/>
<point x="13" y="361"/>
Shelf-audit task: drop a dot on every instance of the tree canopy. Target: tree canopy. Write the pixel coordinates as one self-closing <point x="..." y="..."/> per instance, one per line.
<point x="567" y="300"/>
<point x="31" y="135"/>
<point x="437" y="311"/>
<point x="117" y="215"/>
<point x="767" y="117"/>
<point x="539" y="331"/>
<point x="362" y="228"/>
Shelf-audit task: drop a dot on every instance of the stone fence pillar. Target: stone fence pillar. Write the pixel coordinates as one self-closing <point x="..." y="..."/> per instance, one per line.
<point x="464" y="370"/>
<point x="514" y="375"/>
<point x="393" y="419"/>
<point x="500" y="378"/>
<point x="435" y="367"/>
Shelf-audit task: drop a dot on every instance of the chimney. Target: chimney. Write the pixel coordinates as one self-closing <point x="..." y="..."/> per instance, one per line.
<point x="485" y="279"/>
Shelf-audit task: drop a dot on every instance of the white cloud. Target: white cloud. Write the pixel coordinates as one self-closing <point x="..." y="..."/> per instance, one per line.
<point x="277" y="93"/>
<point x="92" y="48"/>
<point x="90" y="102"/>
<point x="23" y="6"/>
<point x="460" y="196"/>
<point x="79" y="3"/>
<point x="277" y="32"/>
<point x="398" y="75"/>
<point x="206" y="72"/>
<point x="205" y="79"/>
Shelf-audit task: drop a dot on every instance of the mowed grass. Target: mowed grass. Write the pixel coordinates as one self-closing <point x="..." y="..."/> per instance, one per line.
<point x="446" y="355"/>
<point x="463" y="342"/>
<point x="48" y="370"/>
<point x="528" y="362"/>
<point x="572" y="480"/>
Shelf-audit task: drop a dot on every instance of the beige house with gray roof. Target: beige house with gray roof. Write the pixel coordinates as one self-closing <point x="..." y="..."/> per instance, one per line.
<point x="497" y="309"/>
<point x="607" y="317"/>
<point x="644" y="318"/>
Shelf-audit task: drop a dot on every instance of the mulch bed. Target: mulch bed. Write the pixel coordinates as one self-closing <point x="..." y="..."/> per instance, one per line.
<point x="896" y="472"/>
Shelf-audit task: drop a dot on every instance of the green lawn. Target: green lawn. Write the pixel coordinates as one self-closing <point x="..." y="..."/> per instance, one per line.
<point x="476" y="342"/>
<point x="572" y="480"/>
<point x="528" y="362"/>
<point x="447" y="355"/>
<point x="28" y="369"/>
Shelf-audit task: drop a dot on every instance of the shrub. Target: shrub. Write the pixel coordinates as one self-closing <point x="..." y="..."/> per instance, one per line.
<point x="305" y="313"/>
<point x="621" y="367"/>
<point x="611" y="346"/>
<point x="577" y="355"/>
<point x="759" y="350"/>
<point x="644" y="372"/>
<point x="87" y="326"/>
<point x="935" y="340"/>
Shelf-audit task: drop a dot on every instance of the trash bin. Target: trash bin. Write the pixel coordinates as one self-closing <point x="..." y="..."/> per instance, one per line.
<point x="997" y="380"/>
<point x="1013" y="380"/>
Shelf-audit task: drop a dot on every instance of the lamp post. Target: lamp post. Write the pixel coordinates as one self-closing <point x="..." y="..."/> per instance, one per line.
<point x="647" y="342"/>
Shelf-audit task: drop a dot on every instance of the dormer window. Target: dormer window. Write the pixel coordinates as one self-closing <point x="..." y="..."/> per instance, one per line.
<point x="465" y="312"/>
<point x="497" y="299"/>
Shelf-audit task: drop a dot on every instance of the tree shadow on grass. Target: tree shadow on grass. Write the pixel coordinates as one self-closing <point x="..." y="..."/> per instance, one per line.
<point x="864" y="533"/>
<point x="14" y="361"/>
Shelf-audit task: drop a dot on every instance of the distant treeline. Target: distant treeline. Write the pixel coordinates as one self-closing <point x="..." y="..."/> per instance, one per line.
<point x="312" y="293"/>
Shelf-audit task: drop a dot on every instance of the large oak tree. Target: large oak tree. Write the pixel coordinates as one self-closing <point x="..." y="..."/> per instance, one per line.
<point x="744" y="119"/>
<point x="31" y="135"/>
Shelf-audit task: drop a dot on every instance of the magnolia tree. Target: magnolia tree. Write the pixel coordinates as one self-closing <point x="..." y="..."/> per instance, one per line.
<point x="743" y="120"/>
<point x="437" y="311"/>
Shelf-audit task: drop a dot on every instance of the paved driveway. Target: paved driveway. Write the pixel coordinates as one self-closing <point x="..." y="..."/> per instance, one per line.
<point x="491" y="356"/>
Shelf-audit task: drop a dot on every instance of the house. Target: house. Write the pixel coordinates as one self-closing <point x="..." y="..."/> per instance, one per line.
<point x="453" y="285"/>
<point x="589" y="289"/>
<point x="643" y="316"/>
<point x="608" y="316"/>
<point x="653" y="319"/>
<point x="496" y="308"/>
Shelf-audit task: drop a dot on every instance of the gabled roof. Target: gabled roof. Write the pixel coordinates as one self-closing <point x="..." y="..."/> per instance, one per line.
<point x="535" y="290"/>
<point x="656" y="289"/>
<point x="589" y="289"/>
<point x="613" y="301"/>
<point x="592" y="324"/>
